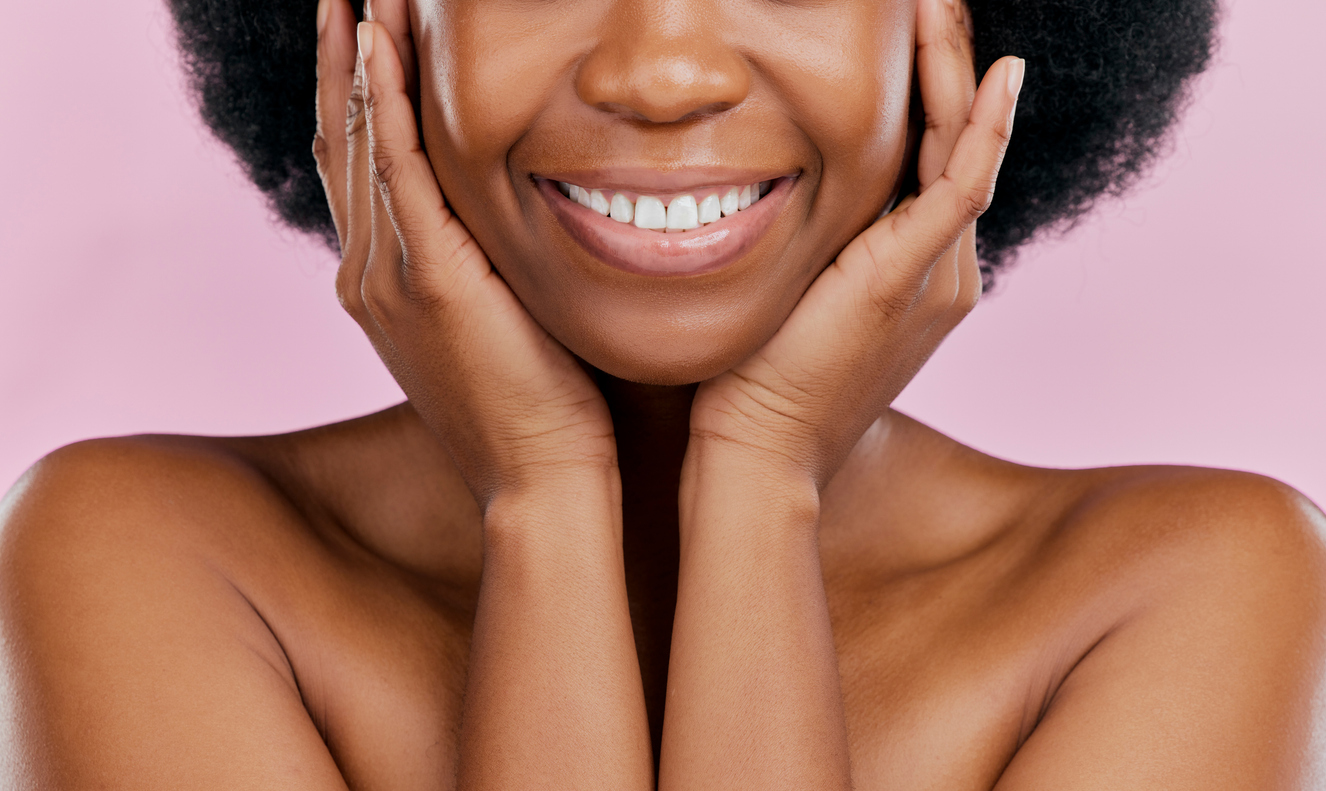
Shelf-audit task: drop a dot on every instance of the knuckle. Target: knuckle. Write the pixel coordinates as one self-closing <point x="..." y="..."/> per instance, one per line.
<point x="974" y="200"/>
<point x="431" y="285"/>
<point x="384" y="165"/>
<point x="377" y="303"/>
<point x="951" y="118"/>
<point x="355" y="120"/>
<point x="349" y="292"/>
<point x="950" y="309"/>
<point x="892" y="300"/>
<point x="937" y="301"/>
<point x="969" y="295"/>
<point x="416" y="283"/>
<point x="967" y="290"/>
<point x="375" y="105"/>
<point x="356" y="125"/>
<point x="371" y="101"/>
<point x="321" y="149"/>
<point x="385" y="172"/>
<point x="954" y="37"/>
<point x="948" y="39"/>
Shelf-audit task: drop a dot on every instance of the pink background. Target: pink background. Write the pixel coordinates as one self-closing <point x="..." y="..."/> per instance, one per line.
<point x="144" y="288"/>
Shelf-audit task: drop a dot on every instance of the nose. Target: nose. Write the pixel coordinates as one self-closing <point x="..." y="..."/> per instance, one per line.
<point x="663" y="61"/>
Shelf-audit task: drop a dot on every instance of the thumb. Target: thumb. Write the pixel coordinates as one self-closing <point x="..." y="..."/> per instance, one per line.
<point x="435" y="246"/>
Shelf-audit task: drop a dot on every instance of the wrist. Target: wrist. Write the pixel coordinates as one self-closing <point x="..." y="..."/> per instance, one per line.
<point x="720" y="460"/>
<point x="561" y="505"/>
<point x="729" y="487"/>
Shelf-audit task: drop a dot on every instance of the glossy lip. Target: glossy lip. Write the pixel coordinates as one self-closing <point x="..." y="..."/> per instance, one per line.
<point x="631" y="249"/>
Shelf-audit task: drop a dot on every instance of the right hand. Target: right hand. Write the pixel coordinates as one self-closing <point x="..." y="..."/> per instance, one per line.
<point x="512" y="406"/>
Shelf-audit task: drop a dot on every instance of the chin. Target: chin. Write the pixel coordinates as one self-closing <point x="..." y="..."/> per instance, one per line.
<point x="657" y="344"/>
<point x="681" y="362"/>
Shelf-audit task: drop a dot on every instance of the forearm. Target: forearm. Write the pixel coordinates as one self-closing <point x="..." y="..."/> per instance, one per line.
<point x="754" y="698"/>
<point x="553" y="697"/>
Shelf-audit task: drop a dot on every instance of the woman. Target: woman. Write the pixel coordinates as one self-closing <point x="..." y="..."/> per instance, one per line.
<point x="564" y="562"/>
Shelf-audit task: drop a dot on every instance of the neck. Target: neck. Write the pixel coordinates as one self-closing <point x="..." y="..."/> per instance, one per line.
<point x="652" y="426"/>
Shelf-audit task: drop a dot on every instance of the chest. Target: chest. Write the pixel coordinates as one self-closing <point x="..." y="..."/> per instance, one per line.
<point x="938" y="693"/>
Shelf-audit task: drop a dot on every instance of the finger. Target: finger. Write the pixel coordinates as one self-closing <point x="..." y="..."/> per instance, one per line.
<point x="395" y="16"/>
<point x="970" y="283"/>
<point x="437" y="251"/>
<point x="358" y="235"/>
<point x="383" y="274"/>
<point x="947" y="80"/>
<point x="912" y="238"/>
<point x="954" y="284"/>
<point x="335" y="74"/>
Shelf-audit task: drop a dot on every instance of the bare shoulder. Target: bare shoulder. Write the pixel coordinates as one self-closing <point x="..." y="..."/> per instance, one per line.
<point x="1206" y="595"/>
<point x="108" y="504"/>
<point x="1185" y="528"/>
<point x="1205" y="497"/>
<point x="376" y="483"/>
<point x="127" y="631"/>
<point x="1141" y="627"/>
<point x="187" y="612"/>
<point x="108" y="490"/>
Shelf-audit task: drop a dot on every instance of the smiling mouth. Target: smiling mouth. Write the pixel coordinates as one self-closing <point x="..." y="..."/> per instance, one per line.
<point x="684" y="212"/>
<point x="661" y="234"/>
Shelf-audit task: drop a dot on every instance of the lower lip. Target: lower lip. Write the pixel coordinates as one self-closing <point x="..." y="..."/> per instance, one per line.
<point x="643" y="252"/>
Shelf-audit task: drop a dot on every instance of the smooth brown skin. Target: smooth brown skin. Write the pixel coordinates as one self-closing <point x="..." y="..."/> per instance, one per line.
<point x="500" y="583"/>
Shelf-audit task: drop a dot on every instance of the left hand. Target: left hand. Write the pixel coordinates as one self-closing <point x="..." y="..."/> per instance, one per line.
<point x="877" y="313"/>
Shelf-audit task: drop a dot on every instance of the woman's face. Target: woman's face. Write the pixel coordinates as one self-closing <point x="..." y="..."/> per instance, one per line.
<point x="658" y="102"/>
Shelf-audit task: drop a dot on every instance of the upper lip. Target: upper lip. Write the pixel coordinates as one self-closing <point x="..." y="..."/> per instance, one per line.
<point x="649" y="181"/>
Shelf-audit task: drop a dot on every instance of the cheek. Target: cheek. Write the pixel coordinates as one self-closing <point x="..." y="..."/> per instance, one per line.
<point x="487" y="71"/>
<point x="857" y="115"/>
<point x="846" y="85"/>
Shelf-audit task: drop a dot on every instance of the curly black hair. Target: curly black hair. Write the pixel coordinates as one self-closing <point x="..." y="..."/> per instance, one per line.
<point x="1105" y="81"/>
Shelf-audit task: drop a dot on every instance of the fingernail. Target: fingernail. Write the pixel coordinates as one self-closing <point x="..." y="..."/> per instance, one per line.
<point x="364" y="32"/>
<point x="324" y="7"/>
<point x="1015" y="73"/>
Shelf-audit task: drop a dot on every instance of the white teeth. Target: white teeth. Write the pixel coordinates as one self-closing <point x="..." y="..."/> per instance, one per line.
<point x="649" y="213"/>
<point x="710" y="211"/>
<point x="622" y="208"/>
<point x="682" y="214"/>
<point x="730" y="202"/>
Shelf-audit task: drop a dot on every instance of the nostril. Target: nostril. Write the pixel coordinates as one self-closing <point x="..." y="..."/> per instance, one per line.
<point x="665" y="85"/>
<point x="658" y="110"/>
